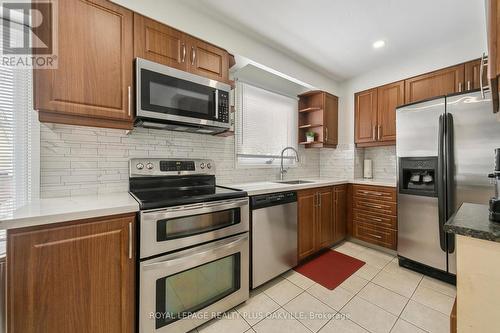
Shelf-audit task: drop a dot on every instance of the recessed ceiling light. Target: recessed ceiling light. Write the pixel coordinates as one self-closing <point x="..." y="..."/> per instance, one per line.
<point x="378" y="44"/>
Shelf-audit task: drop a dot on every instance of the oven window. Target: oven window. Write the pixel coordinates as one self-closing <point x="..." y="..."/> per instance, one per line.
<point x="185" y="226"/>
<point x="170" y="95"/>
<point x="182" y="294"/>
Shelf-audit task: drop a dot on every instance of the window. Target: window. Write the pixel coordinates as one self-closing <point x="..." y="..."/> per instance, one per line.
<point x="19" y="135"/>
<point x="266" y="123"/>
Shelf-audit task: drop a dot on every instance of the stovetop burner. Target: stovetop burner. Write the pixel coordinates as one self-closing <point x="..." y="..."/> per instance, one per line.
<point x="159" y="183"/>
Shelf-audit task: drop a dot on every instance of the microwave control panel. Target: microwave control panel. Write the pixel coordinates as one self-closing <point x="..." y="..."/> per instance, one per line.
<point x="223" y="107"/>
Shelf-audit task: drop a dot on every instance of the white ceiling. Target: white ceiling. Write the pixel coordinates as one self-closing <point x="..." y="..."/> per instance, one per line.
<point x="336" y="36"/>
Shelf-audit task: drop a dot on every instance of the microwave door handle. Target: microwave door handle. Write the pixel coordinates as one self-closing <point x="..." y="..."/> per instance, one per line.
<point x="216" y="104"/>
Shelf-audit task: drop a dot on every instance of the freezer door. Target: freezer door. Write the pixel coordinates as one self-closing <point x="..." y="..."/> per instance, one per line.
<point x="417" y="128"/>
<point x="472" y="136"/>
<point x="418" y="234"/>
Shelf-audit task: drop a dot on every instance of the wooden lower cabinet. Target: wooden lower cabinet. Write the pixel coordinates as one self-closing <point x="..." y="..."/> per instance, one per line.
<point x="72" y="277"/>
<point x="373" y="214"/>
<point x="340" y="213"/>
<point x="322" y="218"/>
<point x="307" y="211"/>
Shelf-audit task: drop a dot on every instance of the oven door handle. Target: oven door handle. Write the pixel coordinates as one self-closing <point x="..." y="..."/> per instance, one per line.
<point x="195" y="209"/>
<point x="171" y="260"/>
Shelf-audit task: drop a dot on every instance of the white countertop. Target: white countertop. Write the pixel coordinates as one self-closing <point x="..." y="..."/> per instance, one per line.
<point x="258" y="188"/>
<point x="54" y="210"/>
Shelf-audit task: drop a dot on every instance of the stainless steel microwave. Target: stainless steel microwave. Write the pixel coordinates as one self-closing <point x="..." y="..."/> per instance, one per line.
<point x="168" y="98"/>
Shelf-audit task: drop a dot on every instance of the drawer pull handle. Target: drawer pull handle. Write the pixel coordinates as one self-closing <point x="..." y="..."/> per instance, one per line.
<point x="372" y="205"/>
<point x="373" y="193"/>
<point x="376" y="236"/>
<point x="376" y="219"/>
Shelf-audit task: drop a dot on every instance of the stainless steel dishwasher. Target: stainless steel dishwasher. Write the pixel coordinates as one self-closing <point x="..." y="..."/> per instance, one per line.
<point x="273" y="235"/>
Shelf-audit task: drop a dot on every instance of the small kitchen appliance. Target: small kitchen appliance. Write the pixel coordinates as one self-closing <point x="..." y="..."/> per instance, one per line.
<point x="368" y="169"/>
<point x="495" y="201"/>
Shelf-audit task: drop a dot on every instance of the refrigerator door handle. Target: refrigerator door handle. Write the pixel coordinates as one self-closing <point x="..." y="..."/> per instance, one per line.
<point x="441" y="182"/>
<point x="450" y="178"/>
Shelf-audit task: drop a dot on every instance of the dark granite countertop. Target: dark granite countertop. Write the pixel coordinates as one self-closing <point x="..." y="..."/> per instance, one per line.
<point x="473" y="220"/>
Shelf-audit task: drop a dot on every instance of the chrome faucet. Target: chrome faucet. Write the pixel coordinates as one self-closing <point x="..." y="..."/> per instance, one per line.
<point x="282" y="169"/>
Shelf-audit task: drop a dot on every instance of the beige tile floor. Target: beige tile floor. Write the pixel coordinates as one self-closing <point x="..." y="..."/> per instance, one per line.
<point x="379" y="297"/>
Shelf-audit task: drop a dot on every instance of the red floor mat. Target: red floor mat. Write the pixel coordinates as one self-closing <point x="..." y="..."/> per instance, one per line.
<point x="330" y="268"/>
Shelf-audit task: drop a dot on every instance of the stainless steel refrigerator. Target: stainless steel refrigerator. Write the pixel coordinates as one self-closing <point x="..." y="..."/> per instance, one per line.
<point x="445" y="151"/>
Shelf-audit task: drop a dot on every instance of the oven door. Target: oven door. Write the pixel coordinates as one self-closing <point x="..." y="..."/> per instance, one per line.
<point x="173" y="95"/>
<point x="182" y="290"/>
<point x="179" y="227"/>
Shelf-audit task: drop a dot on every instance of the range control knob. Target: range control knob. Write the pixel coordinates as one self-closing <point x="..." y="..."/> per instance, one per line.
<point x="209" y="165"/>
<point x="149" y="166"/>
<point x="202" y="165"/>
<point x="139" y="166"/>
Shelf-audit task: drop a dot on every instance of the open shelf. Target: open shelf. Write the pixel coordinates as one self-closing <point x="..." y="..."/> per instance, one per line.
<point x="310" y="143"/>
<point x="310" y="126"/>
<point x="312" y="109"/>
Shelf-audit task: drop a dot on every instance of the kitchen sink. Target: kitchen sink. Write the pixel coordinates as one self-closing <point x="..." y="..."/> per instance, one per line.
<point x="292" y="182"/>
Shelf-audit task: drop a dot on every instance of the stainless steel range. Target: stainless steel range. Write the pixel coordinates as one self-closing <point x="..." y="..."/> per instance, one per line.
<point x="194" y="244"/>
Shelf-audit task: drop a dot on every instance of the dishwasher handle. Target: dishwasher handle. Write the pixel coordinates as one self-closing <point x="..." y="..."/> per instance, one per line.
<point x="272" y="199"/>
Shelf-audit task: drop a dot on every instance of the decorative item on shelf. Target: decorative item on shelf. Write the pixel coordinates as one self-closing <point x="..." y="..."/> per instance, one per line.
<point x="310" y="136"/>
<point x="368" y="169"/>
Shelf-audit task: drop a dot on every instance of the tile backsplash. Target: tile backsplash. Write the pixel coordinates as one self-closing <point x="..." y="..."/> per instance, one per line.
<point x="78" y="160"/>
<point x="384" y="161"/>
<point x="339" y="162"/>
<point x="84" y="160"/>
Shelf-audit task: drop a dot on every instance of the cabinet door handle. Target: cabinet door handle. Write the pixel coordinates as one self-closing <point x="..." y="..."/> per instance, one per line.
<point x="193" y="55"/>
<point x="130" y="245"/>
<point x="319" y="199"/>
<point x="468" y="85"/>
<point x="373" y="134"/>
<point x="481" y="68"/>
<point x="183" y="53"/>
<point x="459" y="86"/>
<point x="326" y="134"/>
<point x="129" y="91"/>
<point x="379" y="129"/>
<point x="376" y="236"/>
<point x="372" y="193"/>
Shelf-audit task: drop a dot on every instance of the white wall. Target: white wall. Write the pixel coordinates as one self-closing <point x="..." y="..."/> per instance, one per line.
<point x="459" y="50"/>
<point x="200" y="25"/>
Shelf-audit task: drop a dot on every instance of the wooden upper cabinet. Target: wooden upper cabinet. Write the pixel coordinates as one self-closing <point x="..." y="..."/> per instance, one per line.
<point x="91" y="84"/>
<point x="472" y="75"/>
<point x="493" y="32"/>
<point x="365" y="116"/>
<point x="331" y="119"/>
<point x="76" y="277"/>
<point x="163" y="44"/>
<point x="318" y="113"/>
<point x="306" y="202"/>
<point x="441" y="82"/>
<point x="208" y="60"/>
<point x="389" y="98"/>
<point x="159" y="43"/>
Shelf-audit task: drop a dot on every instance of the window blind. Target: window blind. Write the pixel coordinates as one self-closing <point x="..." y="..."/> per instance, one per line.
<point x="19" y="135"/>
<point x="266" y="123"/>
